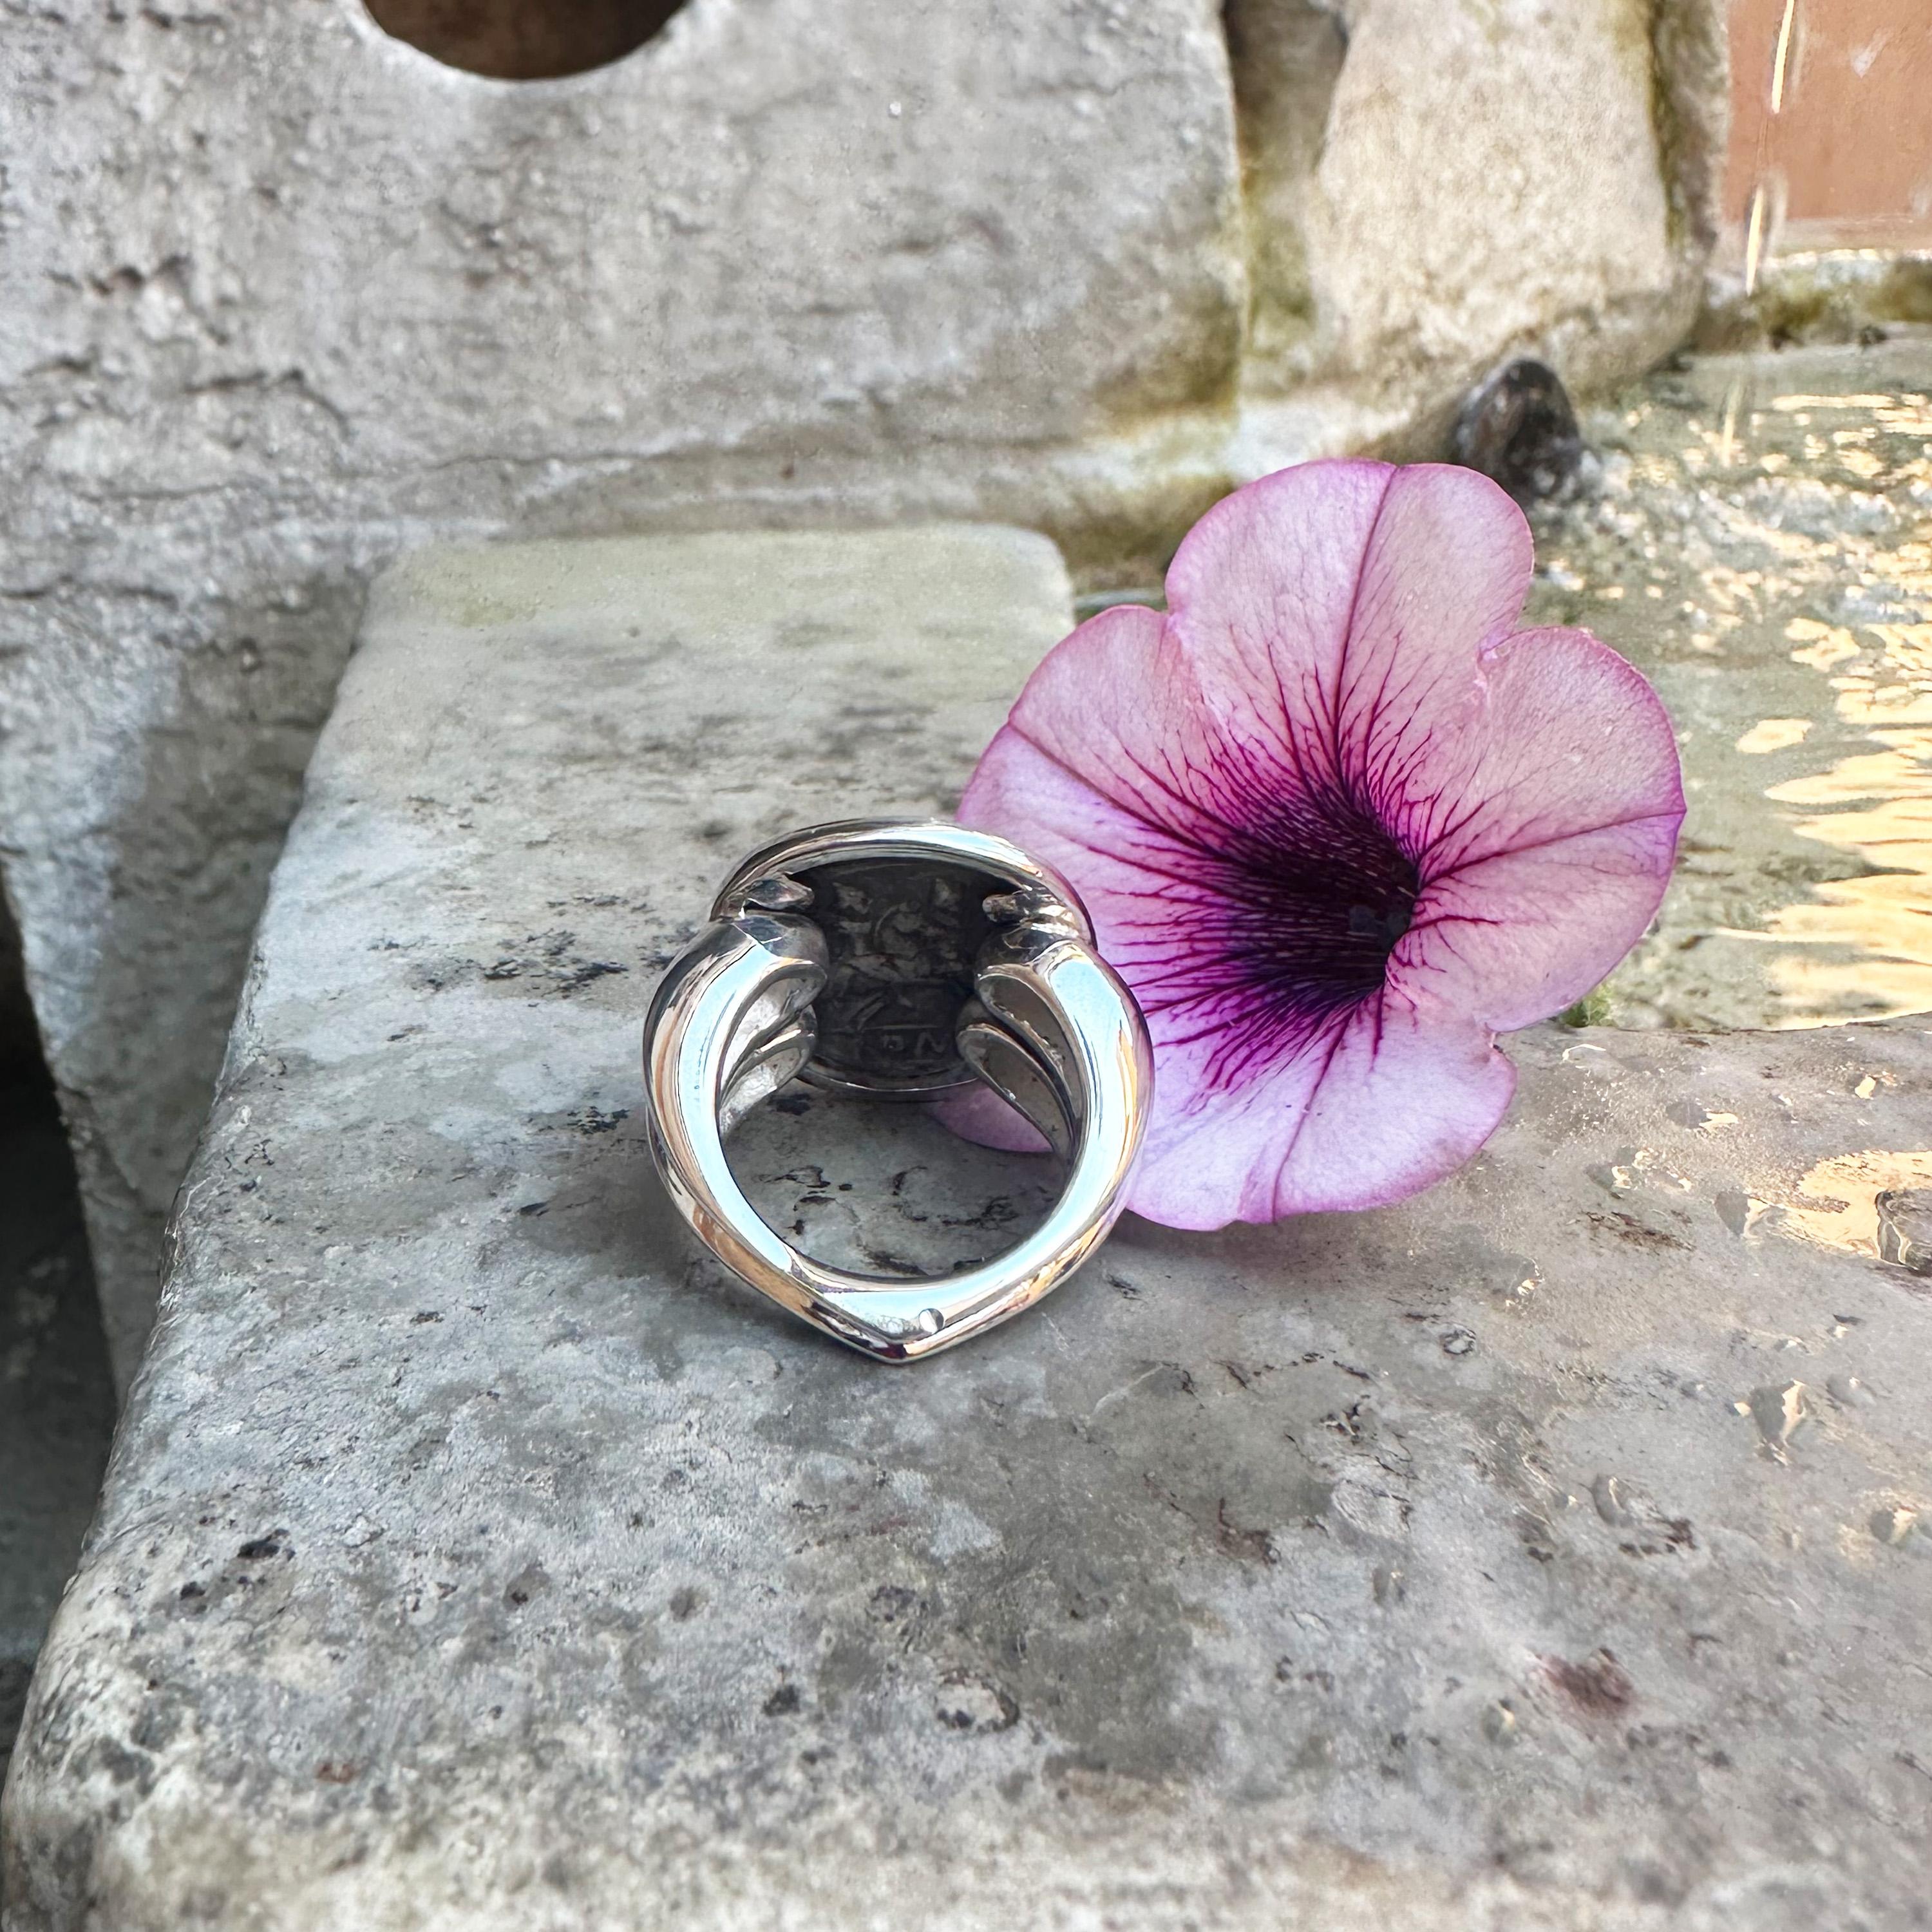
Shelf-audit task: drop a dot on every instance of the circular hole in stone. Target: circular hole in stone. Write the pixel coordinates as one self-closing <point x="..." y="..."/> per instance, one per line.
<point x="513" y="40"/>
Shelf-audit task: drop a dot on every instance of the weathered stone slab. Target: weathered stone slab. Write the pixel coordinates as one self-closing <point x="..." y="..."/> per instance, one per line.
<point x="281" y="295"/>
<point x="1547" y="1552"/>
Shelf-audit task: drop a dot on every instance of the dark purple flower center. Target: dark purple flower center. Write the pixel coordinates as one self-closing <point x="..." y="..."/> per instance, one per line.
<point x="1299" y="898"/>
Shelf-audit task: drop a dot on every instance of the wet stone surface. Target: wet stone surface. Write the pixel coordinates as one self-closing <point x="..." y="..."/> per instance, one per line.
<point x="1550" y="1551"/>
<point x="1905" y="1227"/>
<point x="1760" y="545"/>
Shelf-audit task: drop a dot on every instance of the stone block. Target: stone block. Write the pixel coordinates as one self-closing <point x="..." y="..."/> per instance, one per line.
<point x="1549" y="1550"/>
<point x="1436" y="185"/>
<point x="280" y="293"/>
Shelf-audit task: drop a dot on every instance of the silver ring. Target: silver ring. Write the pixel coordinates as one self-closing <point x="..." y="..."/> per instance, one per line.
<point x="905" y="961"/>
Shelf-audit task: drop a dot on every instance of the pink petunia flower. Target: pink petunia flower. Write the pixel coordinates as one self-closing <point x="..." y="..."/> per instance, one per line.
<point x="1338" y="823"/>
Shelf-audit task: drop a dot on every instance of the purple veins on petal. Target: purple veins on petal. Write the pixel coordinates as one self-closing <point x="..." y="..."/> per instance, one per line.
<point x="1337" y="822"/>
<point x="1285" y="922"/>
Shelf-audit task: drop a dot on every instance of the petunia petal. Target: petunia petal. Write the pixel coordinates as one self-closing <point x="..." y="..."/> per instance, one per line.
<point x="1088" y="806"/>
<point x="1394" y="1099"/>
<point x="1335" y="825"/>
<point x="1333" y="612"/>
<point x="1562" y="804"/>
<point x="980" y="1114"/>
<point x="1117" y="705"/>
<point x="1401" y="1094"/>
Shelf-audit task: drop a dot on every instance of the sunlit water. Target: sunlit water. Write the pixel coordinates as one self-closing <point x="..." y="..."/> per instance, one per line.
<point x="1762" y="548"/>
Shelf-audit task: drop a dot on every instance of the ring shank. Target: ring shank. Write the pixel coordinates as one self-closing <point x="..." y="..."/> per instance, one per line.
<point x="731" y="1023"/>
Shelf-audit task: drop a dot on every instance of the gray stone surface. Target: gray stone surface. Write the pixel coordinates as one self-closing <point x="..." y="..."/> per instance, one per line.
<point x="280" y="295"/>
<point x="1549" y="1551"/>
<point x="1435" y="184"/>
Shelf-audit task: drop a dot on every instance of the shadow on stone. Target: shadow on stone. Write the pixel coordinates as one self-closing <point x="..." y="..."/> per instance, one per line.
<point x="56" y="1401"/>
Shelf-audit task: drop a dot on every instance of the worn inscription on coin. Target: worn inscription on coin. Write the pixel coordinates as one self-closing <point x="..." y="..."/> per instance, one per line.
<point x="903" y="936"/>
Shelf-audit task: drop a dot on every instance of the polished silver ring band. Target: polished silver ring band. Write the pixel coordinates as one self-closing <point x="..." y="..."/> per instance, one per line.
<point x="905" y="961"/>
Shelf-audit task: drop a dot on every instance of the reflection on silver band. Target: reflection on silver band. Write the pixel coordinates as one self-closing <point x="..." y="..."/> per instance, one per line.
<point x="909" y="961"/>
